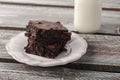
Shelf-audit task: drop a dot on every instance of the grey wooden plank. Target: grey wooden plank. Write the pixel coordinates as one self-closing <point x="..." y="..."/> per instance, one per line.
<point x="104" y="49"/>
<point x="4" y="37"/>
<point x="18" y="16"/>
<point x="69" y="3"/>
<point x="49" y="2"/>
<point x="111" y="3"/>
<point x="13" y="71"/>
<point x="88" y="75"/>
<point x="103" y="53"/>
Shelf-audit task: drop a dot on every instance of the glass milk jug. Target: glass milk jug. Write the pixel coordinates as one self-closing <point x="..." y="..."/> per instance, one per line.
<point x="87" y="15"/>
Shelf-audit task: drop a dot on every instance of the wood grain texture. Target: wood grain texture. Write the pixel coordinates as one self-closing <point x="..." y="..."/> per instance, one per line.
<point x="18" y="16"/>
<point x="4" y="38"/>
<point x="111" y="3"/>
<point x="59" y="3"/>
<point x="12" y="71"/>
<point x="14" y="16"/>
<point x="48" y="2"/>
<point x="103" y="52"/>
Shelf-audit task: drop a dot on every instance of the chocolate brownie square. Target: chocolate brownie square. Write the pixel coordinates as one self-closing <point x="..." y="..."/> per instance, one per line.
<point x="46" y="39"/>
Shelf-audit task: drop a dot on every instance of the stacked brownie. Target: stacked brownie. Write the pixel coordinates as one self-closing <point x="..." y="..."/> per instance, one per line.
<point x="47" y="39"/>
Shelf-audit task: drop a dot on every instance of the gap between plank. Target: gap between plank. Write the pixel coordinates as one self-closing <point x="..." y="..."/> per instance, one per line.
<point x="94" y="67"/>
<point x="12" y="28"/>
<point x="81" y="66"/>
<point x="8" y="60"/>
<point x="23" y="29"/>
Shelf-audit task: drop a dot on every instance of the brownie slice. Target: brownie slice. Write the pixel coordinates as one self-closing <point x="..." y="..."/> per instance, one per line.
<point x="46" y="39"/>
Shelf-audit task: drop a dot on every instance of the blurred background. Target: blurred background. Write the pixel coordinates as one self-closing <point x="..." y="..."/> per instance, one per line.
<point x="17" y="13"/>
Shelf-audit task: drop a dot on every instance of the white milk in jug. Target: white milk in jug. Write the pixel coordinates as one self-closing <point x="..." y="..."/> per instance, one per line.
<point x="87" y="16"/>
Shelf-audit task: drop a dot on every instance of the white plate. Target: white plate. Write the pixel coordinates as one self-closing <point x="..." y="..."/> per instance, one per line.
<point x="76" y="49"/>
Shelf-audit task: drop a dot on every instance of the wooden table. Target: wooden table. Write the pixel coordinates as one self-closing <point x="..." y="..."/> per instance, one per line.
<point x="102" y="60"/>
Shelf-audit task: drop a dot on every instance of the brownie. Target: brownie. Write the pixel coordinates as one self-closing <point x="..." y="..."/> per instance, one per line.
<point x="47" y="39"/>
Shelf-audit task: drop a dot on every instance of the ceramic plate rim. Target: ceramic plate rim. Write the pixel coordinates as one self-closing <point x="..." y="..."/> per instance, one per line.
<point x="56" y="61"/>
